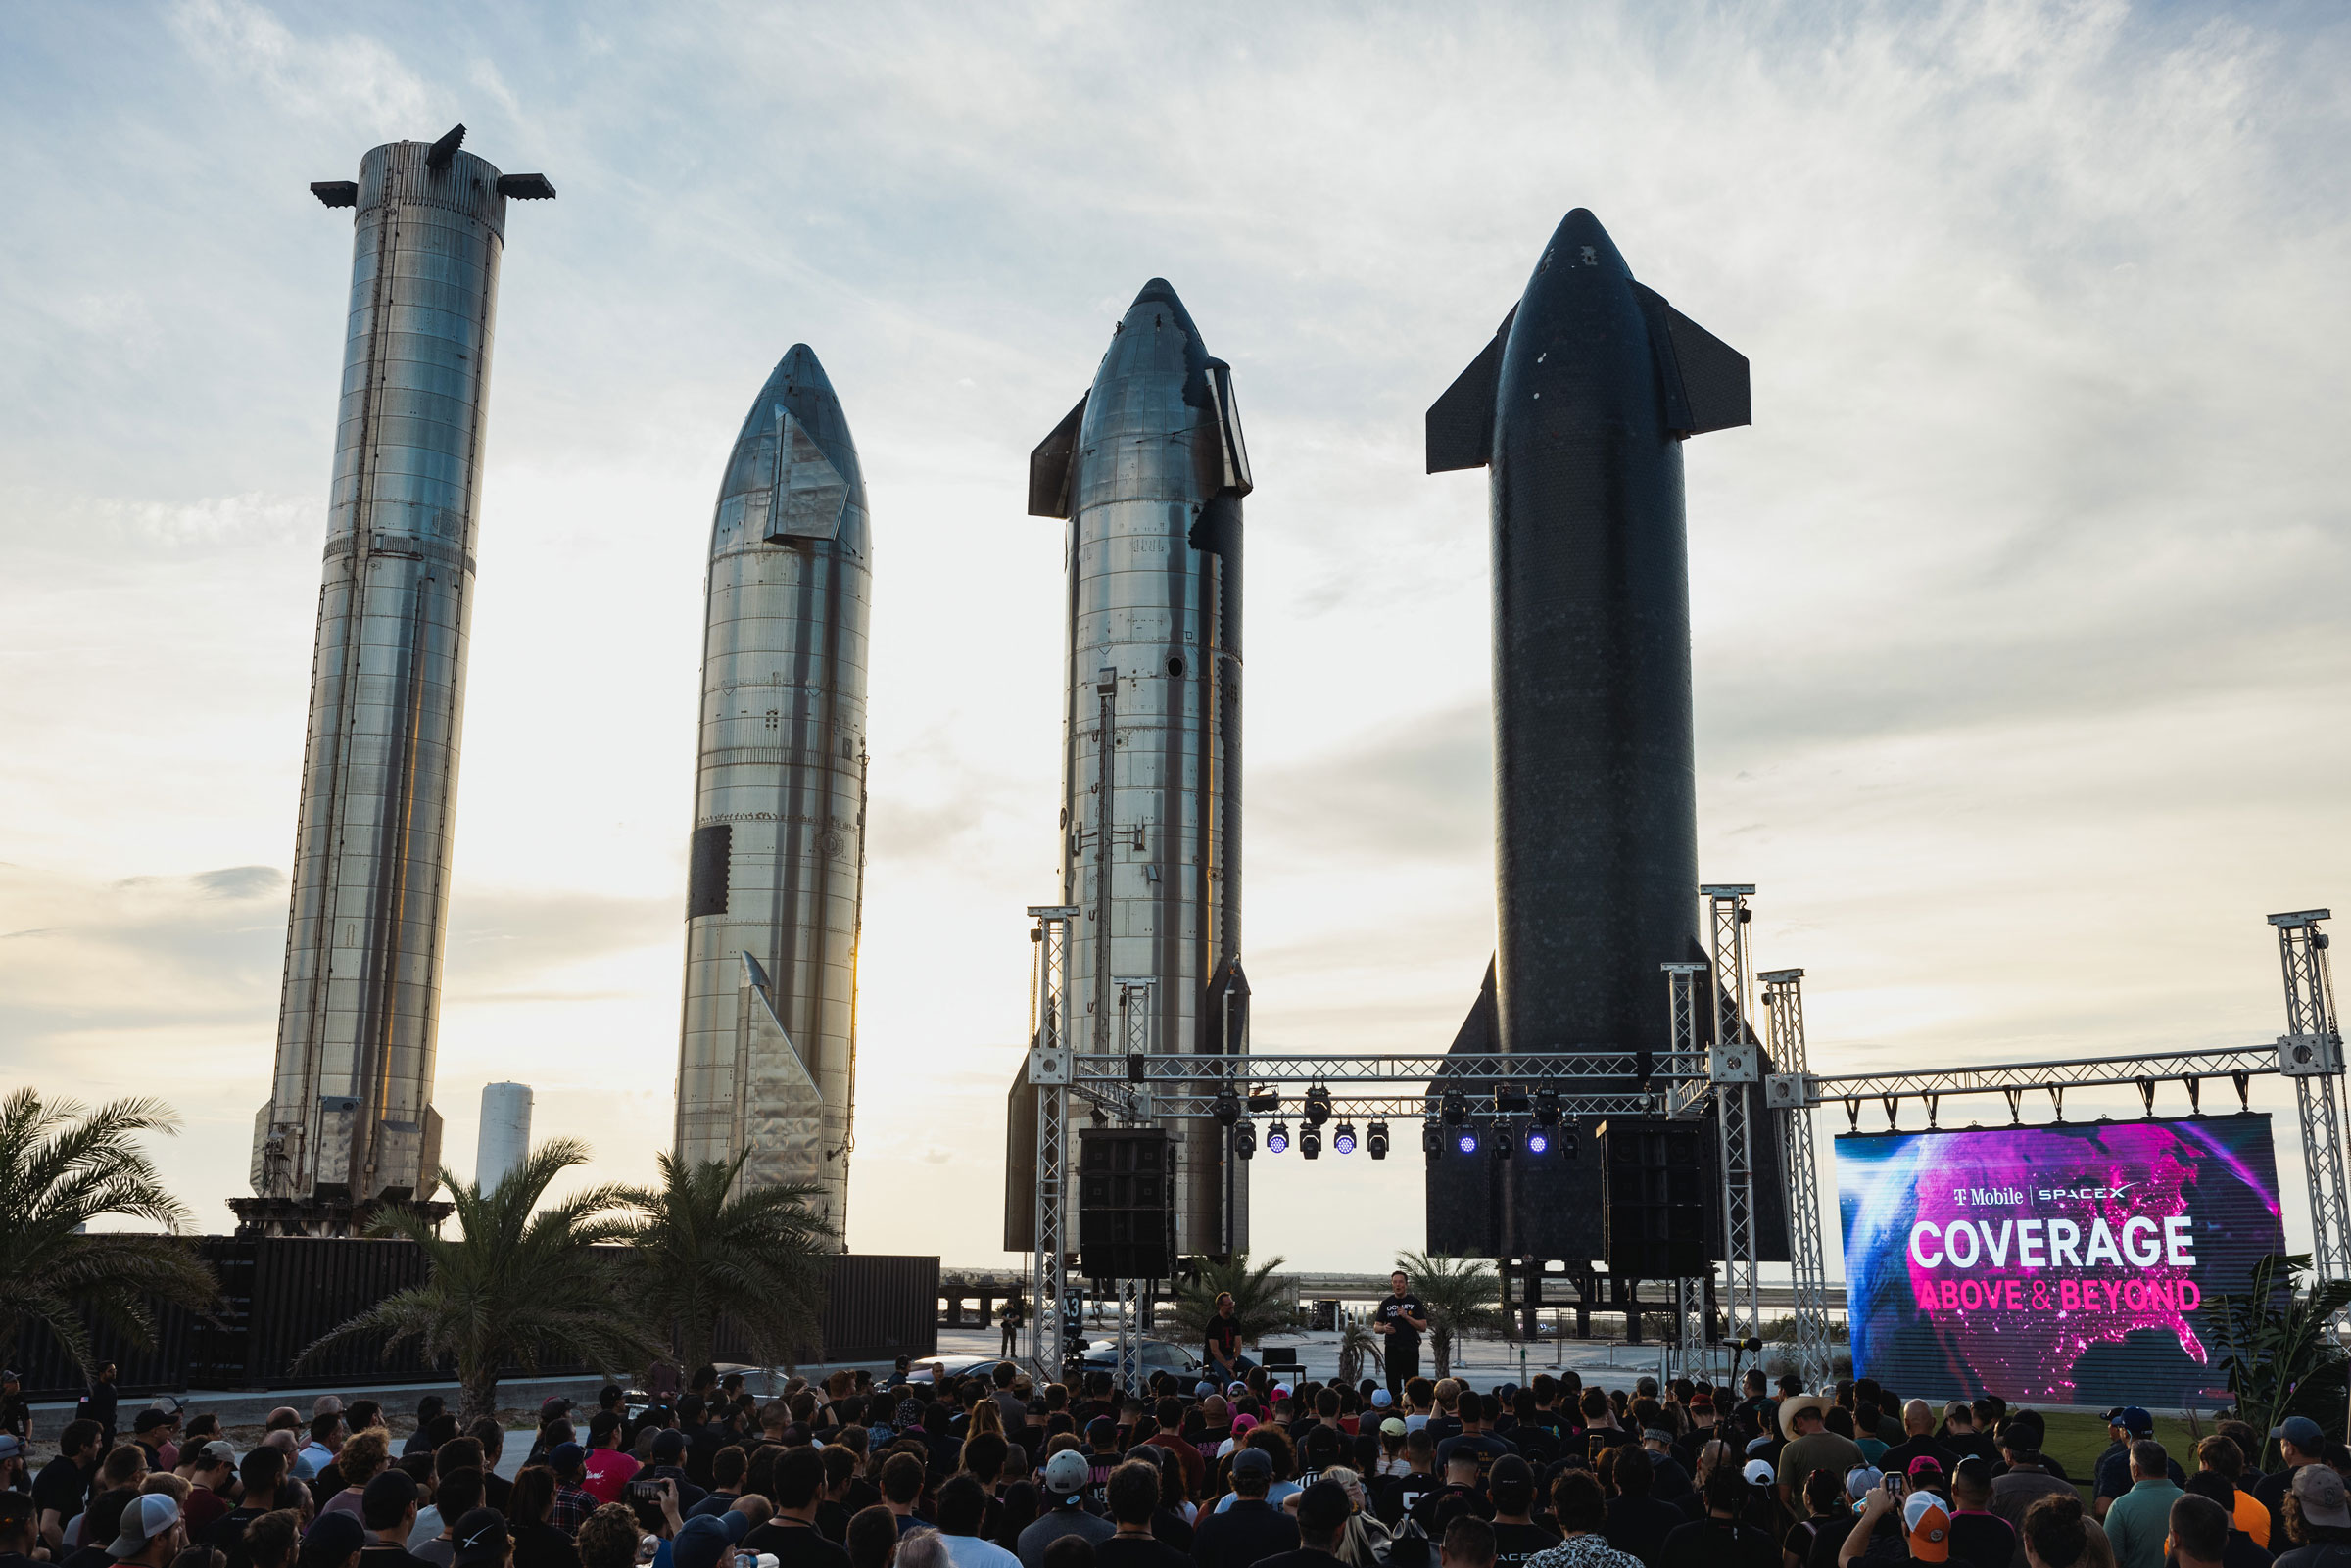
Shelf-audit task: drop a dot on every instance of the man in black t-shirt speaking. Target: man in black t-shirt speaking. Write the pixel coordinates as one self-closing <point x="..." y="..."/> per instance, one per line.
<point x="1224" y="1348"/>
<point x="1402" y="1318"/>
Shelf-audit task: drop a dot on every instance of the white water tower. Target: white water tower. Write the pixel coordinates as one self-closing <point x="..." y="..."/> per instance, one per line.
<point x="505" y="1138"/>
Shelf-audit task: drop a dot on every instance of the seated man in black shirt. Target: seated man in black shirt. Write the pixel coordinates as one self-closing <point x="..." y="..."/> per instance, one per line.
<point x="1223" y="1351"/>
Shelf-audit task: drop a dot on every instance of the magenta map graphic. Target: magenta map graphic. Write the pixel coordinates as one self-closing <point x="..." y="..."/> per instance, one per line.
<point x="2064" y="1263"/>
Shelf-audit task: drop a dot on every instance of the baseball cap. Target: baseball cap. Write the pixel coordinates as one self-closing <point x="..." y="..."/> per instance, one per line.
<point x="553" y="1406"/>
<point x="1253" y="1463"/>
<point x="1392" y="1427"/>
<point x="11" y="1446"/>
<point x="168" y="1403"/>
<point x="2320" y="1493"/>
<point x="565" y="1456"/>
<point x="11" y="1375"/>
<point x="1929" y="1525"/>
<point x="1203" y="1389"/>
<point x="2137" y="1422"/>
<point x="2302" y="1431"/>
<point x="1236" y="1387"/>
<point x="1281" y="1391"/>
<point x="1066" y="1473"/>
<point x="481" y="1537"/>
<point x="1243" y="1423"/>
<point x="218" y="1453"/>
<point x="1657" y="1434"/>
<point x="149" y="1515"/>
<point x="1759" y="1473"/>
<point x="668" y="1446"/>
<point x="151" y="1420"/>
<point x="1860" y="1478"/>
<point x="1925" y="1464"/>
<point x="1381" y="1399"/>
<point x="705" y="1539"/>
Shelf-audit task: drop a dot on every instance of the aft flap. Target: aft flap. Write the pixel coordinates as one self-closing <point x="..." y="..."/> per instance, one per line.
<point x="1050" y="466"/>
<point x="1712" y="375"/>
<point x="1461" y="423"/>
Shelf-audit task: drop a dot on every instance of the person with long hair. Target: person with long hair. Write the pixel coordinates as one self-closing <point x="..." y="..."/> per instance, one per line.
<point x="530" y="1509"/>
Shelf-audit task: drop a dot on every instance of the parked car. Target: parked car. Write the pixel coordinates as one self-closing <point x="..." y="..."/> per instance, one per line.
<point x="1158" y="1355"/>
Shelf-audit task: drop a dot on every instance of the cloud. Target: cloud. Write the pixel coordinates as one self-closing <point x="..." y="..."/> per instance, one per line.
<point x="2018" y="614"/>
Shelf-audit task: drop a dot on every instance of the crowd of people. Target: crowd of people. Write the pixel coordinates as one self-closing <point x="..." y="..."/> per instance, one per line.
<point x="922" y="1470"/>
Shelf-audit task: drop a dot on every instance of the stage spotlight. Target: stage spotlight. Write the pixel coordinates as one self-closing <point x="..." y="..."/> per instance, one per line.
<point x="1510" y="1098"/>
<point x="1264" y="1102"/>
<point x="1505" y="1140"/>
<point x="1376" y="1137"/>
<point x="1342" y="1142"/>
<point x="1464" y="1139"/>
<point x="1310" y="1141"/>
<point x="1457" y="1110"/>
<point x="1318" y="1106"/>
<point x="1547" y="1110"/>
<point x="1567" y="1142"/>
<point x="1228" y="1107"/>
<point x="1277" y="1139"/>
<point x="1432" y="1140"/>
<point x="1538" y="1141"/>
<point x="1244" y="1139"/>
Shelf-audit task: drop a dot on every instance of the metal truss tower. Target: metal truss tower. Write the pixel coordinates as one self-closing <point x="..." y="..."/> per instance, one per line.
<point x="1789" y="1095"/>
<point x="1052" y="1070"/>
<point x="2311" y="1053"/>
<point x="1733" y="1064"/>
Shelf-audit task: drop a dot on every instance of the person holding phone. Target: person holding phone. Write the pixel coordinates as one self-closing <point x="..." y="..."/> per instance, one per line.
<point x="1897" y="1525"/>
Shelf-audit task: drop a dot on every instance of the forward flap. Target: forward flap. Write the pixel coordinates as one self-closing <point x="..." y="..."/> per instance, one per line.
<point x="1049" y="466"/>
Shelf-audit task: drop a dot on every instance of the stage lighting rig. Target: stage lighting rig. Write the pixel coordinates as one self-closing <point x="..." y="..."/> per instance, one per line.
<point x="1377" y="1140"/>
<point x="1456" y="1109"/>
<point x="1317" y="1108"/>
<point x="1538" y="1139"/>
<point x="1432" y="1140"/>
<point x="1342" y="1141"/>
<point x="1277" y="1138"/>
<point x="1244" y="1140"/>
<point x="1510" y="1099"/>
<point x="1264" y="1102"/>
<point x="1228" y="1107"/>
<point x="1464" y="1138"/>
<point x="1310" y="1140"/>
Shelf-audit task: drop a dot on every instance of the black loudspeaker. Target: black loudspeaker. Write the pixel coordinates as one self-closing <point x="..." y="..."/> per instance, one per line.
<point x="1654" y="1197"/>
<point x="1126" y="1203"/>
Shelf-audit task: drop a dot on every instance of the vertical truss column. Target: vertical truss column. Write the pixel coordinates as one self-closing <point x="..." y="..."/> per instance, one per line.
<point x="1686" y="1100"/>
<point x="1732" y="1065"/>
<point x="1128" y="1364"/>
<point x="1050" y="1071"/>
<point x="1134" y="1006"/>
<point x="2311" y="1053"/>
<point x="1789" y="1094"/>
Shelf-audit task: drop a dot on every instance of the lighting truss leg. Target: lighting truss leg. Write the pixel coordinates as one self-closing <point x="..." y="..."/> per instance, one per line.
<point x="1130" y="1336"/>
<point x="2312" y="1053"/>
<point x="1808" y="1258"/>
<point x="1733" y="983"/>
<point x="1049" y="1072"/>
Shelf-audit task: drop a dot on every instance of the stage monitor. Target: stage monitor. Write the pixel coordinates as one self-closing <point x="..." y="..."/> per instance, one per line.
<point x="2064" y="1264"/>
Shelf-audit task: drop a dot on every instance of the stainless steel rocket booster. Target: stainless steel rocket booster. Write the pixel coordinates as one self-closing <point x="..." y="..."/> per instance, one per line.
<point x="1149" y="468"/>
<point x="350" y="1116"/>
<point x="768" y="1052"/>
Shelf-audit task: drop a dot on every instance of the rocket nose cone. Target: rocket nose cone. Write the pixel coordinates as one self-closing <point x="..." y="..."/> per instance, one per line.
<point x="1580" y="242"/>
<point x="1159" y="291"/>
<point x="800" y="367"/>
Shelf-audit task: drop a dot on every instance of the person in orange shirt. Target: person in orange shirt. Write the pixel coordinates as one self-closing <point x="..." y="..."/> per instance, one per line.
<point x="2225" y="1458"/>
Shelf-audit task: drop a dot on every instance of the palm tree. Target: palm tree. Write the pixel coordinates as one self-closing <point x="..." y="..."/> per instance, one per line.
<point x="2283" y="1356"/>
<point x="1357" y="1343"/>
<point x="1260" y="1305"/>
<point x="517" y="1288"/>
<point x="1463" y="1297"/>
<point x="63" y="1165"/>
<point x="703" y="1252"/>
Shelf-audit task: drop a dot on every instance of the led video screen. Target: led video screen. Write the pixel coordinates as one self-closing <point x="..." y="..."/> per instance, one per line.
<point x="2064" y="1264"/>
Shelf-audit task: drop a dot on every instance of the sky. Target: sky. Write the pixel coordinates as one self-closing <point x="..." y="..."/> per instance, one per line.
<point x="2019" y="614"/>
